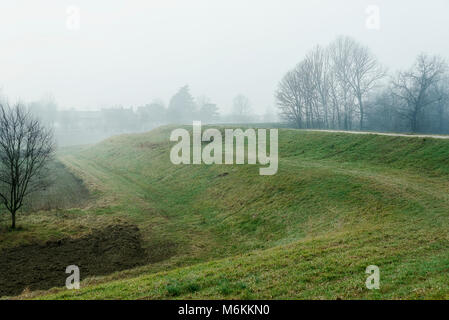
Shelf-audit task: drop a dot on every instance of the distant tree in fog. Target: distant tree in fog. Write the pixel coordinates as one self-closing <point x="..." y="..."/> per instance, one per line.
<point x="362" y="72"/>
<point x="26" y="146"/>
<point x="317" y="68"/>
<point x="152" y="115"/>
<point x="417" y="88"/>
<point x="182" y="106"/>
<point x="290" y="99"/>
<point x="340" y="52"/>
<point x="207" y="111"/>
<point x="201" y="101"/>
<point x="441" y="92"/>
<point x="340" y="87"/>
<point x="381" y="112"/>
<point x="241" y="108"/>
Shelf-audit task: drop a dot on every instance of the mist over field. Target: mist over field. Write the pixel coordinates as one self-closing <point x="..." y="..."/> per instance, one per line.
<point x="118" y="173"/>
<point x="89" y="56"/>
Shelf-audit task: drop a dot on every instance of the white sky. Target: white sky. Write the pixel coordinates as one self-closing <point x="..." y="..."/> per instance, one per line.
<point x="130" y="52"/>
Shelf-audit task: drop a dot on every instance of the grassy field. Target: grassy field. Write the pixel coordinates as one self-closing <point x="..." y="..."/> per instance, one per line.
<point x="339" y="203"/>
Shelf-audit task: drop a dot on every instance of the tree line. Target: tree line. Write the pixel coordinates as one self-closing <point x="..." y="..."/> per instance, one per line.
<point x="343" y="86"/>
<point x="182" y="108"/>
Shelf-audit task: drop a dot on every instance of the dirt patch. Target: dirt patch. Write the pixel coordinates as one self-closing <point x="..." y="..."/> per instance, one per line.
<point x="224" y="174"/>
<point x="42" y="266"/>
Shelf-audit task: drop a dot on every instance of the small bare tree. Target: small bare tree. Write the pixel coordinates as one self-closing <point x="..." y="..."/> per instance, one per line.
<point x="26" y="146"/>
<point x="413" y="87"/>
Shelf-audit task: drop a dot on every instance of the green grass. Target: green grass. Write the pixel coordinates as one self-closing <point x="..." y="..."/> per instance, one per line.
<point x="339" y="203"/>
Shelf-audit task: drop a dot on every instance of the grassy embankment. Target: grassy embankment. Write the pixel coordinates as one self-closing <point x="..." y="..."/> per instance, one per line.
<point x="339" y="203"/>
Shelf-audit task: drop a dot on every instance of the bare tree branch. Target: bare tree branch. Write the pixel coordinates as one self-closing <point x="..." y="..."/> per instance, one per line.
<point x="25" y="148"/>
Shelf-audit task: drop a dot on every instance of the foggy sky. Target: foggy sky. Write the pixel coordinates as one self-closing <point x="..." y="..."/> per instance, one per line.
<point x="130" y="52"/>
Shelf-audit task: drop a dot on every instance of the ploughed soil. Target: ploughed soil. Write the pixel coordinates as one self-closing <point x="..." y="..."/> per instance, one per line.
<point x="42" y="266"/>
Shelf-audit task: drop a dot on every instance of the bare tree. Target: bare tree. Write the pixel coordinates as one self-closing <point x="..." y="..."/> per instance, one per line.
<point x="302" y="93"/>
<point x="318" y="91"/>
<point x="412" y="87"/>
<point x="25" y="148"/>
<point x="304" y="73"/>
<point x="289" y="99"/>
<point x="340" y="53"/>
<point x="241" y="107"/>
<point x="365" y="72"/>
<point x="319" y="72"/>
<point x="334" y="101"/>
<point x="441" y="93"/>
<point x="201" y="101"/>
<point x="340" y="86"/>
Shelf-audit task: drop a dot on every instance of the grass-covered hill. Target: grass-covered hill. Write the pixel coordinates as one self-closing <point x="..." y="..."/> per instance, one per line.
<point x="339" y="203"/>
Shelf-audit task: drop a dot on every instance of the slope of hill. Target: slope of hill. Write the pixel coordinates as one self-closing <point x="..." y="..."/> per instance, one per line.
<point x="339" y="203"/>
